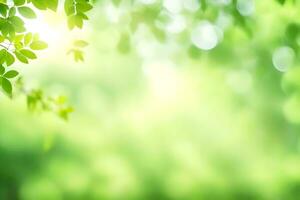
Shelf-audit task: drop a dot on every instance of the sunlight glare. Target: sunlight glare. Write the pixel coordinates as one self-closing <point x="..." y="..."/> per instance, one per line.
<point x="51" y="27"/>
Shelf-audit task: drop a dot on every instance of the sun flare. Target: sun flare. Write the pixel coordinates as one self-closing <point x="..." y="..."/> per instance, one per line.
<point x="51" y="27"/>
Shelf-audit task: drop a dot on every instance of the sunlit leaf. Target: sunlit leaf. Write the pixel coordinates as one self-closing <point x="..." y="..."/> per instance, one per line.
<point x="27" y="12"/>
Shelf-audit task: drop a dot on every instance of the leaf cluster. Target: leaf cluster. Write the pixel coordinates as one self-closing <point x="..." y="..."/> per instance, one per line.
<point x="77" y="51"/>
<point x="76" y="11"/>
<point x="19" y="44"/>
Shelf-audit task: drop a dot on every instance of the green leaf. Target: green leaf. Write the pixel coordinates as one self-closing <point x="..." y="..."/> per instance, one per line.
<point x="9" y="58"/>
<point x="75" y="21"/>
<point x="78" y="54"/>
<point x="6" y="85"/>
<point x="69" y="7"/>
<point x="2" y="70"/>
<point x="53" y="4"/>
<point x="17" y="22"/>
<point x="65" y="112"/>
<point x="11" y="74"/>
<point x="21" y="57"/>
<point x="27" y="12"/>
<point x="12" y="11"/>
<point x="78" y="21"/>
<point x="29" y="54"/>
<point x="38" y="45"/>
<point x="28" y="38"/>
<point x="80" y="43"/>
<point x="19" y="2"/>
<point x="19" y="38"/>
<point x="8" y="30"/>
<point x="35" y="37"/>
<point x="71" y="11"/>
<point x="83" y="7"/>
<point x="83" y="16"/>
<point x="2" y="56"/>
<point x="71" y="22"/>
<point x="40" y="4"/>
<point x="3" y="9"/>
<point x="2" y="39"/>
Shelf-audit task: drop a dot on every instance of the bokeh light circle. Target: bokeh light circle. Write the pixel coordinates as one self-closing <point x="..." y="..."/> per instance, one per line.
<point x="205" y="36"/>
<point x="283" y="58"/>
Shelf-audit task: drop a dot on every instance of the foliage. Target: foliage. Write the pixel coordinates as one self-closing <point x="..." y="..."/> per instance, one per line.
<point x="20" y="44"/>
<point x="162" y="113"/>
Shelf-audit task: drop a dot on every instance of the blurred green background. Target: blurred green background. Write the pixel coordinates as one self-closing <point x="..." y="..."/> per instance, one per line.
<point x="175" y="100"/>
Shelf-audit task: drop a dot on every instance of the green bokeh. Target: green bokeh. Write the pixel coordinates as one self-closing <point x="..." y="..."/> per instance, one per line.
<point x="174" y="122"/>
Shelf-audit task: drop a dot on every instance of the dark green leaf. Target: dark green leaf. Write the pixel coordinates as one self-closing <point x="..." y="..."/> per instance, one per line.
<point x="3" y="9"/>
<point x="11" y="74"/>
<point x="2" y="70"/>
<point x="6" y="85"/>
